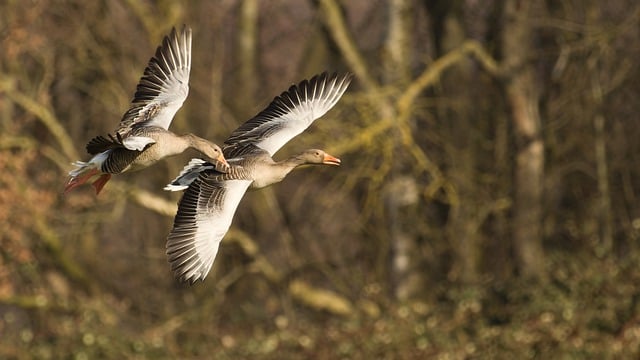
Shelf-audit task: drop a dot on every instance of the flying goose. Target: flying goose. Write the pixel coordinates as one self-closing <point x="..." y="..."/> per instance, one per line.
<point x="206" y="208"/>
<point x="143" y="138"/>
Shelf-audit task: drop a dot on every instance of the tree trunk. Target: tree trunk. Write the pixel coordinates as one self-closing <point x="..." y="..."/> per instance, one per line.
<point x="247" y="53"/>
<point x="605" y="219"/>
<point x="449" y="33"/>
<point x="406" y="278"/>
<point x="522" y="96"/>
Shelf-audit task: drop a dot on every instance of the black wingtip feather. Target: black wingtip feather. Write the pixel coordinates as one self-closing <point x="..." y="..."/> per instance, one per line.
<point x="100" y="144"/>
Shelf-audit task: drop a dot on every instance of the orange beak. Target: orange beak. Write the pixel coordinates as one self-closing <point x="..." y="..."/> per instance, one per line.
<point x="330" y="160"/>
<point x="222" y="159"/>
<point x="222" y="165"/>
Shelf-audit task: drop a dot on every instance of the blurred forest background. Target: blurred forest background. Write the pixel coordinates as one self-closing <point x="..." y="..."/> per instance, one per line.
<point x="487" y="206"/>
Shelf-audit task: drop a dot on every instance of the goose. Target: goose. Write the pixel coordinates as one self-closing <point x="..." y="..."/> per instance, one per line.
<point x="207" y="206"/>
<point x="142" y="137"/>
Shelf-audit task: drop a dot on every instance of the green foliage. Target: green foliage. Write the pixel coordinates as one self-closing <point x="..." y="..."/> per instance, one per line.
<point x="588" y="309"/>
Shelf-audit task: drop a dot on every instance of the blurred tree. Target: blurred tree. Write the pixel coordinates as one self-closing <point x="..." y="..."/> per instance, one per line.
<point x="484" y="144"/>
<point x="401" y="191"/>
<point x="461" y="124"/>
<point x="523" y="96"/>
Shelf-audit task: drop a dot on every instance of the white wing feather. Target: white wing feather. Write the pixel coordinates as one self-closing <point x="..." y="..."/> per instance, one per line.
<point x="193" y="242"/>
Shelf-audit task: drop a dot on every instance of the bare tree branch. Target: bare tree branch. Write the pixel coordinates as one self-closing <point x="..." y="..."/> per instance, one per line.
<point x="149" y="200"/>
<point x="320" y="299"/>
<point x="435" y="70"/>
<point x="42" y="112"/>
<point x="337" y="26"/>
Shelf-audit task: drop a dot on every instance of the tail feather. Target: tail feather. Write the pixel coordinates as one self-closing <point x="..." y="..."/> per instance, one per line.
<point x="81" y="167"/>
<point x="85" y="170"/>
<point x="80" y="175"/>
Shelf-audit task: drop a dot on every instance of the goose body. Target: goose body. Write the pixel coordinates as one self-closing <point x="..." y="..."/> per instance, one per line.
<point x="207" y="207"/>
<point x="142" y="137"/>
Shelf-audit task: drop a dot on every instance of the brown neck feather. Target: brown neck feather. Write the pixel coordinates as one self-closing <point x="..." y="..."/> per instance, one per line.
<point x="199" y="144"/>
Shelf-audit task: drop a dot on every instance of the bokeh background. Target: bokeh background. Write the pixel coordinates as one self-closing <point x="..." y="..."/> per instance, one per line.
<point x="487" y="205"/>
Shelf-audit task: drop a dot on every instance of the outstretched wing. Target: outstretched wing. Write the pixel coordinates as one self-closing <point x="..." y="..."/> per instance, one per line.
<point x="204" y="216"/>
<point x="164" y="85"/>
<point x="288" y="114"/>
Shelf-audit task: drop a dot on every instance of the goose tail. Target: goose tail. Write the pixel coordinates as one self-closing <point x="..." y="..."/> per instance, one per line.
<point x="84" y="171"/>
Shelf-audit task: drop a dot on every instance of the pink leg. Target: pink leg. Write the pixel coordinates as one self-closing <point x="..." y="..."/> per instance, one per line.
<point x="101" y="182"/>
<point x="79" y="180"/>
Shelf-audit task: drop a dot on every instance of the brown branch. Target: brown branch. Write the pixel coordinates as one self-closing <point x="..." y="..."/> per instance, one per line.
<point x="337" y="27"/>
<point x="404" y="103"/>
<point x="42" y="112"/>
<point x="304" y="293"/>
<point x="435" y="70"/>
<point x="429" y="77"/>
<point x="143" y="12"/>
<point x="17" y="142"/>
<point x="300" y="291"/>
<point x="67" y="264"/>
<point x="26" y="302"/>
<point x="320" y="299"/>
<point x="149" y="200"/>
<point x="247" y="50"/>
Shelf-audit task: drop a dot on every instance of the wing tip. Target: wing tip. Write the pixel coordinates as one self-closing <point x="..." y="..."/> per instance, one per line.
<point x="187" y="271"/>
<point x="336" y="78"/>
<point x="323" y="84"/>
<point x="315" y="96"/>
<point x="184" y="262"/>
<point x="166" y="74"/>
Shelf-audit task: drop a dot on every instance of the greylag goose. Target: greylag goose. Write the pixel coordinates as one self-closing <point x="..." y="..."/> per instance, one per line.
<point x="206" y="208"/>
<point x="142" y="137"/>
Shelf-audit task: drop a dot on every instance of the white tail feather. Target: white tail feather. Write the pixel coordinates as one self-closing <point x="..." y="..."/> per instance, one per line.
<point x="94" y="163"/>
<point x="81" y="167"/>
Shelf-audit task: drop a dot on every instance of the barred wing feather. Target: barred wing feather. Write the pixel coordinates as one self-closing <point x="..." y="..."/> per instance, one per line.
<point x="204" y="216"/>
<point x="288" y="114"/>
<point x="164" y="86"/>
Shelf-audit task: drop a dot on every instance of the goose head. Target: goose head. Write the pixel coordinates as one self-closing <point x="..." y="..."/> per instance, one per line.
<point x="315" y="156"/>
<point x="214" y="152"/>
<point x="210" y="150"/>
